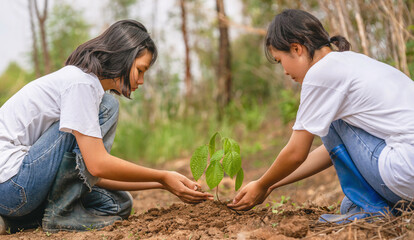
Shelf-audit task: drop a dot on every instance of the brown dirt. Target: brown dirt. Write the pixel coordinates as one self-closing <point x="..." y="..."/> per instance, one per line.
<point x="160" y="215"/>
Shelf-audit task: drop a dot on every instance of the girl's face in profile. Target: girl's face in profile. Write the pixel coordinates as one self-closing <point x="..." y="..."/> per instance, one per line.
<point x="136" y="74"/>
<point x="138" y="69"/>
<point x="296" y="63"/>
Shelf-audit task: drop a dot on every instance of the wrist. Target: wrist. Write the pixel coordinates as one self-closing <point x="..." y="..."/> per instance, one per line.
<point x="161" y="176"/>
<point x="262" y="184"/>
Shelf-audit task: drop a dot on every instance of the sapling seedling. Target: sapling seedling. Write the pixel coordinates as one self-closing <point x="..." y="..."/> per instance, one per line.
<point x="225" y="160"/>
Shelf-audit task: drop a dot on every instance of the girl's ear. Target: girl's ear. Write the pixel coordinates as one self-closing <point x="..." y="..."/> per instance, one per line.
<point x="296" y="48"/>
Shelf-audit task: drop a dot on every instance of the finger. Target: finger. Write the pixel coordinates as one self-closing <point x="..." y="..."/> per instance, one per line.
<point x="204" y="195"/>
<point x="238" y="197"/>
<point x="242" y="206"/>
<point x="190" y="184"/>
<point x="191" y="199"/>
<point x="194" y="195"/>
<point x="197" y="186"/>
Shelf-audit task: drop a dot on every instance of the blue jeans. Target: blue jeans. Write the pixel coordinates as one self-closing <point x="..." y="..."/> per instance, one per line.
<point x="26" y="192"/>
<point x="364" y="149"/>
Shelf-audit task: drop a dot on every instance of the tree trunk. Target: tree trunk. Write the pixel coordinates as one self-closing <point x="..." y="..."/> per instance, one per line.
<point x="42" y="25"/>
<point x="394" y="14"/>
<point x="344" y="29"/>
<point x="332" y="20"/>
<point x="224" y="62"/>
<point x="35" y="50"/>
<point x="188" y="78"/>
<point x="361" y="28"/>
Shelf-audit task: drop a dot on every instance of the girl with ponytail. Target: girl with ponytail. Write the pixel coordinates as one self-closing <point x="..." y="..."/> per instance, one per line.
<point x="361" y="108"/>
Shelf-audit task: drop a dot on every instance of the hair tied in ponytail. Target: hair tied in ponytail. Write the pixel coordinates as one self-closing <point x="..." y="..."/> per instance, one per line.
<point x="340" y="42"/>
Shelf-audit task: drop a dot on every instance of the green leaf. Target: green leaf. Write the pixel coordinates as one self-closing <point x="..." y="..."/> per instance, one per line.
<point x="232" y="163"/>
<point x="217" y="156"/>
<point x="226" y="145"/>
<point x="198" y="162"/>
<point x="239" y="179"/>
<point x="230" y="145"/>
<point x="212" y="144"/>
<point x="214" y="174"/>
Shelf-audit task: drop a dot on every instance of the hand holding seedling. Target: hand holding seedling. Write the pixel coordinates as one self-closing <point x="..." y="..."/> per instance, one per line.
<point x="226" y="160"/>
<point x="184" y="188"/>
<point x="252" y="194"/>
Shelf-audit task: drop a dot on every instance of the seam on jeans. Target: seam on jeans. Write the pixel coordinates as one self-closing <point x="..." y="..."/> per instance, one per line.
<point x="359" y="138"/>
<point x="104" y="192"/>
<point x="376" y="147"/>
<point x="62" y="134"/>
<point x="104" y="112"/>
<point x="22" y="195"/>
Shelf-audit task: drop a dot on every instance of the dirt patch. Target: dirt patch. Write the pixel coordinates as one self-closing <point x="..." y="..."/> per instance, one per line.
<point x="290" y="212"/>
<point x="207" y="220"/>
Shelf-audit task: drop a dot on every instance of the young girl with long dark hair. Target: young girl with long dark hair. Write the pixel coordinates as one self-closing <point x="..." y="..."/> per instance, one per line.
<point x="56" y="135"/>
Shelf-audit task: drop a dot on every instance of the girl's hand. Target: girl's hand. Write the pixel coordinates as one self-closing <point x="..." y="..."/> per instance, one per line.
<point x="184" y="188"/>
<point x="251" y="195"/>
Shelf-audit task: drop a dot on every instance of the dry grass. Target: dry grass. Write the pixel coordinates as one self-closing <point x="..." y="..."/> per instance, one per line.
<point x="386" y="226"/>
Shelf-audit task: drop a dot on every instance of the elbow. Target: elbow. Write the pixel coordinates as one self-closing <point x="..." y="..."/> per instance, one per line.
<point x="95" y="171"/>
<point x="96" y="167"/>
<point x="295" y="158"/>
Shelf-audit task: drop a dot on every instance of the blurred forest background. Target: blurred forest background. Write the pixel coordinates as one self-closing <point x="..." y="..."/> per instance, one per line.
<point x="219" y="81"/>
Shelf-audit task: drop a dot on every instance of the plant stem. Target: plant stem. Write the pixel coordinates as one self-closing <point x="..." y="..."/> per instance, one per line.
<point x="218" y="199"/>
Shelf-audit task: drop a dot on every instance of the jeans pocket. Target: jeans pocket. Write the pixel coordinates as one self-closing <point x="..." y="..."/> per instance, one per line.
<point x="12" y="197"/>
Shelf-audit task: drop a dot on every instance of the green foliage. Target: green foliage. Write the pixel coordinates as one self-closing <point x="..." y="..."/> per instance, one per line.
<point x="214" y="174"/>
<point x="121" y="8"/>
<point x="410" y="55"/>
<point x="276" y="205"/>
<point x="198" y="162"/>
<point x="239" y="178"/>
<point x="231" y="164"/>
<point x="12" y="79"/>
<point x="289" y="105"/>
<point x="67" y="30"/>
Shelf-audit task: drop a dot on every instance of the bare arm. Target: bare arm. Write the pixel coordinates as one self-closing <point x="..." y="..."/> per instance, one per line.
<point x="289" y="159"/>
<point x="317" y="161"/>
<point x="128" y="186"/>
<point x="102" y="164"/>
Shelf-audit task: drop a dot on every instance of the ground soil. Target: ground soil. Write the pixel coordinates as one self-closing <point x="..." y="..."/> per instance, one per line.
<point x="290" y="212"/>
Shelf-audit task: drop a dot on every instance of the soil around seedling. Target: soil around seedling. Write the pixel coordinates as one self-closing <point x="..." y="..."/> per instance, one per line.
<point x="291" y="212"/>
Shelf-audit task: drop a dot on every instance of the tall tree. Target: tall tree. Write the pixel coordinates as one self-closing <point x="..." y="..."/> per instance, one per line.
<point x="224" y="61"/>
<point x="361" y="27"/>
<point x="393" y="12"/>
<point x="35" y="49"/>
<point x="188" y="78"/>
<point x="42" y="26"/>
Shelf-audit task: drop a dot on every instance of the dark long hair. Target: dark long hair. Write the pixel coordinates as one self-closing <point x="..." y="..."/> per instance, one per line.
<point x="111" y="54"/>
<point x="297" y="26"/>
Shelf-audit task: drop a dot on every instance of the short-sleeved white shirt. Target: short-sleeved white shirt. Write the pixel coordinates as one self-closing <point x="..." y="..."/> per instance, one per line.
<point x="369" y="95"/>
<point x="69" y="95"/>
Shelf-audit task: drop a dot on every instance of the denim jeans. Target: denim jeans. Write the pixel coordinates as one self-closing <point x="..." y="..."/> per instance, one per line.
<point x="26" y="192"/>
<point x="364" y="149"/>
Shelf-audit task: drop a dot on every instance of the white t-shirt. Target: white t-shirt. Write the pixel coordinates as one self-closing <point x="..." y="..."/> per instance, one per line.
<point x="369" y="95"/>
<point x="69" y="95"/>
